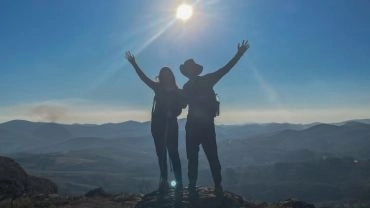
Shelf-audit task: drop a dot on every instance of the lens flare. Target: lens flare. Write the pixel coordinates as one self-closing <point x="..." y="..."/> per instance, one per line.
<point x="173" y="183"/>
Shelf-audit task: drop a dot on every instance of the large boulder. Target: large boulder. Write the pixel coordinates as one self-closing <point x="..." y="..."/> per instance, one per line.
<point x="13" y="179"/>
<point x="15" y="182"/>
<point x="98" y="192"/>
<point x="37" y="185"/>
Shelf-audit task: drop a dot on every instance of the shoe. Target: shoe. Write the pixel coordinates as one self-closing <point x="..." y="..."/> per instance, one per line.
<point x="163" y="186"/>
<point x="219" y="192"/>
<point x="193" y="194"/>
<point x="178" y="192"/>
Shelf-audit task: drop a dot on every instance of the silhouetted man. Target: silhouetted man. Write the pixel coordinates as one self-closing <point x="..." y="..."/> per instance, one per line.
<point x="200" y="127"/>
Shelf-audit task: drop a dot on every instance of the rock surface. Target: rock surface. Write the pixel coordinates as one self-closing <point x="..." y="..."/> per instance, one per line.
<point x="14" y="181"/>
<point x="19" y="190"/>
<point x="207" y="199"/>
<point x="98" y="192"/>
<point x="37" y="185"/>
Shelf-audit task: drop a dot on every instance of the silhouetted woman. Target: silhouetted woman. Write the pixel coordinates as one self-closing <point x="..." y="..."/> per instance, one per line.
<point x="167" y="106"/>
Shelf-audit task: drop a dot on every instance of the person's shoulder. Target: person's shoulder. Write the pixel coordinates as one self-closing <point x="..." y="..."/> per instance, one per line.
<point x="205" y="80"/>
<point x="206" y="76"/>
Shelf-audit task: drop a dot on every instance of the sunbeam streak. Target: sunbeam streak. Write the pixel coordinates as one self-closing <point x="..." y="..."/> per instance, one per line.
<point x="113" y="65"/>
<point x="271" y="93"/>
<point x="154" y="37"/>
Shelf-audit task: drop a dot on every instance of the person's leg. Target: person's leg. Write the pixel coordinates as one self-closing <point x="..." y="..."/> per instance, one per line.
<point x="157" y="129"/>
<point x="172" y="147"/>
<point x="192" y="151"/>
<point x="210" y="148"/>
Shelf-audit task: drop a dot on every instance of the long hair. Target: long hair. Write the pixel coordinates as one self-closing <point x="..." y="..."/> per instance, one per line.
<point x="166" y="77"/>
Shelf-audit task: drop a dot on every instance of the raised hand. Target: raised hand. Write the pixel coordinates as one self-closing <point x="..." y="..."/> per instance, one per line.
<point x="243" y="47"/>
<point x="130" y="58"/>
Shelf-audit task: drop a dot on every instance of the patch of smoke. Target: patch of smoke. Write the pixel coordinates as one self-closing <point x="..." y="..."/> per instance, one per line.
<point x="49" y="113"/>
<point x="72" y="111"/>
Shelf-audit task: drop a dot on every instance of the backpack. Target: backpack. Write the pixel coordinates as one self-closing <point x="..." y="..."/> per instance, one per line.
<point x="204" y="98"/>
<point x="212" y="102"/>
<point x="173" y="100"/>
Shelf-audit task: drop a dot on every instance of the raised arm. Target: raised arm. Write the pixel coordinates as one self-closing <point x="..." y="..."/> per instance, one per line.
<point x="214" y="77"/>
<point x="130" y="58"/>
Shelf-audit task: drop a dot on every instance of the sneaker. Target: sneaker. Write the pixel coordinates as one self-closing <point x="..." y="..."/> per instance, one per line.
<point x="193" y="194"/>
<point x="178" y="192"/>
<point x="219" y="192"/>
<point x="163" y="186"/>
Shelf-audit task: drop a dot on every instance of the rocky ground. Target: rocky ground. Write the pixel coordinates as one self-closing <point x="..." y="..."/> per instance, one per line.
<point x="207" y="199"/>
<point x="151" y="200"/>
<point x="20" y="190"/>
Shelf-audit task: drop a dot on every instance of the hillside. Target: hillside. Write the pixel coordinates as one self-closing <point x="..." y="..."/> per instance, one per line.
<point x="18" y="189"/>
<point x="266" y="162"/>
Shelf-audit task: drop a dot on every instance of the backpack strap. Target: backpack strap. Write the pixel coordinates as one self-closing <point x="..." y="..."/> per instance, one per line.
<point x="154" y="102"/>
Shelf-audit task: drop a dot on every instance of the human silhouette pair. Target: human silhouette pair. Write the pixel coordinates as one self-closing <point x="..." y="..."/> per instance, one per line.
<point x="200" y="127"/>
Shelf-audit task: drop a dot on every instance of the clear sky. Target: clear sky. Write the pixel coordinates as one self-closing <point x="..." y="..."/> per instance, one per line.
<point x="63" y="60"/>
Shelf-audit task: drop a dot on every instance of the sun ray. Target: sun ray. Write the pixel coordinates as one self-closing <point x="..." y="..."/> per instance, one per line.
<point x="113" y="65"/>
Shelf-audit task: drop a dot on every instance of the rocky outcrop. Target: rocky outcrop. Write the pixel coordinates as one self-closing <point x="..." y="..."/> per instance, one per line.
<point x="99" y="198"/>
<point x="98" y="192"/>
<point x="15" y="182"/>
<point x="13" y="179"/>
<point x="207" y="199"/>
<point x="37" y="185"/>
<point x="17" y="189"/>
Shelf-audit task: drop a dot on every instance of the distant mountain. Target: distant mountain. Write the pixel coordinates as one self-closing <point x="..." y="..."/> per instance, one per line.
<point x="110" y="130"/>
<point x="26" y="136"/>
<point x="51" y="131"/>
<point x="13" y="141"/>
<point x="21" y="126"/>
<point x="259" y="159"/>
<point x="253" y="130"/>
<point x="365" y="121"/>
<point x="36" y="137"/>
<point x="352" y="139"/>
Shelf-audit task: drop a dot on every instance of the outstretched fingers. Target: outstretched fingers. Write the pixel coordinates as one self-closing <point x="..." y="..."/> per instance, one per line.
<point x="129" y="56"/>
<point x="245" y="43"/>
<point x="243" y="46"/>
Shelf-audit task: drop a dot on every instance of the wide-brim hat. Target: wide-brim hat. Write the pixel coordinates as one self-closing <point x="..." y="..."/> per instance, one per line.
<point x="189" y="68"/>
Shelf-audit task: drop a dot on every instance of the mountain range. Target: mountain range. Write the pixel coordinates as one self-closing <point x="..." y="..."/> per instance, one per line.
<point x="121" y="156"/>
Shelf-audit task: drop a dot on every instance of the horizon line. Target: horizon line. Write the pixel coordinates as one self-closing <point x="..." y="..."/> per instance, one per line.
<point x="182" y="119"/>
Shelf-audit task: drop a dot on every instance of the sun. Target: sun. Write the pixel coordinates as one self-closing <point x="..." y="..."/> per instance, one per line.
<point x="184" y="12"/>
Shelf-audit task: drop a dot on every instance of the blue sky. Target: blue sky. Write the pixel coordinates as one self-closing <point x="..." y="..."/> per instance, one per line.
<point x="63" y="60"/>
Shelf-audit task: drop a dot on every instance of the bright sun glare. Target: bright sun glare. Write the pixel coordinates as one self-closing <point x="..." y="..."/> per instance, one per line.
<point x="184" y="12"/>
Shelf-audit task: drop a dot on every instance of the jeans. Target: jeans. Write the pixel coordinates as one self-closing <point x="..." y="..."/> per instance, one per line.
<point x="165" y="133"/>
<point x="202" y="132"/>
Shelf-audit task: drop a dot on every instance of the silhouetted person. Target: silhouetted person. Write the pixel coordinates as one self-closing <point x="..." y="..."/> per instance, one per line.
<point x="200" y="127"/>
<point x="168" y="102"/>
